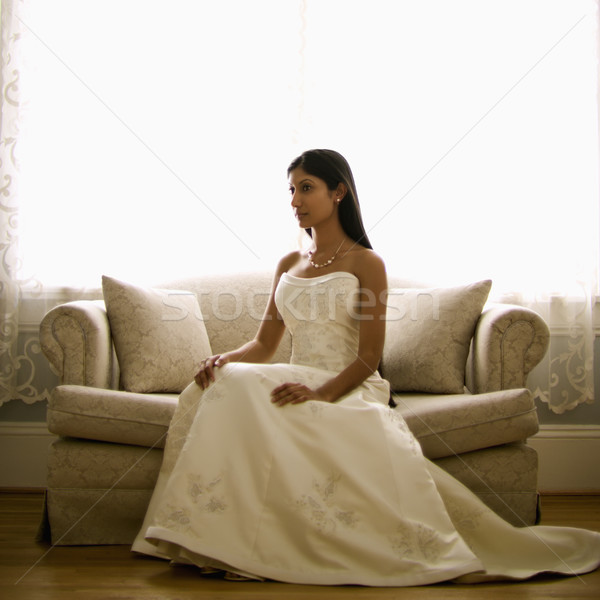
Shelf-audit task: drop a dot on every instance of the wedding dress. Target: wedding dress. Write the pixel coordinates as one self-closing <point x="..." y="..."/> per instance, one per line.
<point x="320" y="493"/>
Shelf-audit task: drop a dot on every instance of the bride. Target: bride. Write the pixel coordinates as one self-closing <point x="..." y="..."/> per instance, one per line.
<point x="301" y="472"/>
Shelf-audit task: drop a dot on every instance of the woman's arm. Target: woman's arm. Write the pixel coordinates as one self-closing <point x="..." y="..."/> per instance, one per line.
<point x="258" y="350"/>
<point x="371" y="274"/>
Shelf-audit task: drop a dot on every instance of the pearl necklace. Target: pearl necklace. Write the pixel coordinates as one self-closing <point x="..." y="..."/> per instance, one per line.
<point x="325" y="264"/>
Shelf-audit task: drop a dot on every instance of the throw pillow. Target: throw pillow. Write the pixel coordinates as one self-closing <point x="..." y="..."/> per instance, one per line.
<point x="428" y="336"/>
<point x="159" y="336"/>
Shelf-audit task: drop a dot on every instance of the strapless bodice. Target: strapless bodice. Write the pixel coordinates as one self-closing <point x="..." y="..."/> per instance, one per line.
<point x="321" y="314"/>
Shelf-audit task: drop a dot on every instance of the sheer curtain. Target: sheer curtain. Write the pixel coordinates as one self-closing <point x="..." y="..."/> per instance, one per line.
<point x="16" y="364"/>
<point x="152" y="141"/>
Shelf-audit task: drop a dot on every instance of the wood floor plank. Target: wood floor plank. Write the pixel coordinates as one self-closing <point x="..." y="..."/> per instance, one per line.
<point x="29" y="570"/>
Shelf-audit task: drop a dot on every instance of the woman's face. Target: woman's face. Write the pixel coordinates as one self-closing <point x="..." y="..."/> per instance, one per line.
<point x="312" y="201"/>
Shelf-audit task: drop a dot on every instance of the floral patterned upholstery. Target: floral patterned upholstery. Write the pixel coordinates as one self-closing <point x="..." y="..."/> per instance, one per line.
<point x="159" y="335"/>
<point x="428" y="335"/>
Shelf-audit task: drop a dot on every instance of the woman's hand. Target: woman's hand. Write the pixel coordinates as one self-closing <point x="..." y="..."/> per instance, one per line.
<point x="294" y="393"/>
<point x="206" y="374"/>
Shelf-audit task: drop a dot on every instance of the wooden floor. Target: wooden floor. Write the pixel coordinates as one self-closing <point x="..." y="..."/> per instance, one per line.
<point x="31" y="570"/>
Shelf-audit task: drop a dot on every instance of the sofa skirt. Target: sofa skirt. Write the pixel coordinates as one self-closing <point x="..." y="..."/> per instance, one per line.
<point x="98" y="492"/>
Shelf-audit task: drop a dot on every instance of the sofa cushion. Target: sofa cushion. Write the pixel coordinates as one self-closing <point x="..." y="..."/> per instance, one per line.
<point x="159" y="335"/>
<point x="428" y="336"/>
<point x="444" y="425"/>
<point x="453" y="424"/>
<point x="110" y="415"/>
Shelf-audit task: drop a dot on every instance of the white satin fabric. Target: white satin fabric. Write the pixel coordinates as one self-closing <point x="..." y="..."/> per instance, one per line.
<point x="321" y="493"/>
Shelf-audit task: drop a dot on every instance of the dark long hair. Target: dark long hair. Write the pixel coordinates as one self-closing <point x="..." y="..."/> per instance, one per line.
<point x="333" y="169"/>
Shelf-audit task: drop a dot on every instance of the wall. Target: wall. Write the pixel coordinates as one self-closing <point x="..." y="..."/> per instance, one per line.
<point x="568" y="444"/>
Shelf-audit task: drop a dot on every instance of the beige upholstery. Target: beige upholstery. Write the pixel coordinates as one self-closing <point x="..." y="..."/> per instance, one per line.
<point x="102" y="469"/>
<point x="450" y="425"/>
<point x="428" y="332"/>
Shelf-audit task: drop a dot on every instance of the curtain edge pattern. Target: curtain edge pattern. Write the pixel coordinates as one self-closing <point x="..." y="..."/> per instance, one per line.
<point x="17" y="368"/>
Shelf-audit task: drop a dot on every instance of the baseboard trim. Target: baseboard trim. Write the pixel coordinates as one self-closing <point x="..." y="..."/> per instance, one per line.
<point x="24" y="491"/>
<point x="23" y="452"/>
<point x="24" y="428"/>
<point x="569" y="458"/>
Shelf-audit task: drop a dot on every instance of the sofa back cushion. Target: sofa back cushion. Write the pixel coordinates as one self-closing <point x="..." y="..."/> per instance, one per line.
<point x="428" y="333"/>
<point x="428" y="336"/>
<point x="159" y="335"/>
<point x="232" y="308"/>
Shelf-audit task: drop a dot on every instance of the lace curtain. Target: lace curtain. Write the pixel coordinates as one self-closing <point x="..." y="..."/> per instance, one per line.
<point x="16" y="365"/>
<point x="149" y="142"/>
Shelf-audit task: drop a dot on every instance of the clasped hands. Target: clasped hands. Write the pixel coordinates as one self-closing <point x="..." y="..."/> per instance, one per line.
<point x="287" y="393"/>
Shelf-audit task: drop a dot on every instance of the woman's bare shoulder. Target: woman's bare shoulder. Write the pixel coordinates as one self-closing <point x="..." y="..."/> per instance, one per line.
<point x="366" y="259"/>
<point x="288" y="261"/>
<point x="369" y="267"/>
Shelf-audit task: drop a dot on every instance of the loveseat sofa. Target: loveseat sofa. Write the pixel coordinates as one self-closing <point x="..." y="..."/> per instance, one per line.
<point x="457" y="366"/>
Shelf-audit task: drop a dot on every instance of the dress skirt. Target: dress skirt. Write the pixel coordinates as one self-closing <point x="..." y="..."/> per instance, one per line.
<point x="328" y="494"/>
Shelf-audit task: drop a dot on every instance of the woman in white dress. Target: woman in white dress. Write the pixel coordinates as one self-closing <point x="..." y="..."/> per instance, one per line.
<point x="301" y="472"/>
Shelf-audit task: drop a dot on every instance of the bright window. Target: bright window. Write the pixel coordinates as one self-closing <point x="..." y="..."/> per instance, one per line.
<point x="157" y="134"/>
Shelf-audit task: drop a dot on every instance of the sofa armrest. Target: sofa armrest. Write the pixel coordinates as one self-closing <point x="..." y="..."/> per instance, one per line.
<point x="509" y="341"/>
<point x="75" y="338"/>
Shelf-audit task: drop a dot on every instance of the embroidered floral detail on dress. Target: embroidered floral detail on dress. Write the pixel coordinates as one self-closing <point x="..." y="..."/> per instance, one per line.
<point x="174" y="518"/>
<point x="466" y="519"/>
<point x="401" y="541"/>
<point x="416" y="541"/>
<point x="316" y="408"/>
<point x="398" y="421"/>
<point x="322" y="320"/>
<point x="203" y="494"/>
<point x="321" y="507"/>
<point x="428" y="541"/>
<point x="214" y="393"/>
